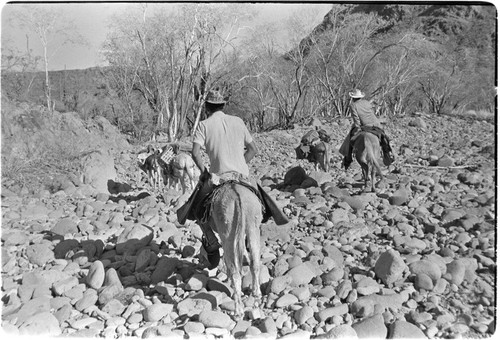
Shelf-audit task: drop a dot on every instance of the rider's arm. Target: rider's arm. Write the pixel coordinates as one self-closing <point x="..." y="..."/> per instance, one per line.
<point x="355" y="116"/>
<point x="250" y="152"/>
<point x="196" y="153"/>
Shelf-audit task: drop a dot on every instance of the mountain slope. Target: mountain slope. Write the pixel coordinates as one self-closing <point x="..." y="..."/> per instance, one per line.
<point x="473" y="25"/>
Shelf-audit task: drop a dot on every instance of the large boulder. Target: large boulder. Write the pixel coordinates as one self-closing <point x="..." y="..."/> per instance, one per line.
<point x="99" y="170"/>
<point x="295" y="176"/>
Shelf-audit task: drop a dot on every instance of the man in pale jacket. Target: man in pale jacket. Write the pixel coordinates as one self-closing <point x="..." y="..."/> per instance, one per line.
<point x="364" y="119"/>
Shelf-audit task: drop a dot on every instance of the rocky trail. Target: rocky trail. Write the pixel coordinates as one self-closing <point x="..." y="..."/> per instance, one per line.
<point x="416" y="259"/>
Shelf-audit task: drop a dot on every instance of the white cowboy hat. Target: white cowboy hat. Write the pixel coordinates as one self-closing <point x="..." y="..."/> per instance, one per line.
<point x="356" y="94"/>
<point x="215" y="97"/>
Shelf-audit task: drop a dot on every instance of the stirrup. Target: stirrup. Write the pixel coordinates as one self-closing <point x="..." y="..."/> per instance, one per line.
<point x="346" y="163"/>
<point x="213" y="256"/>
<point x="388" y="158"/>
<point x="209" y="248"/>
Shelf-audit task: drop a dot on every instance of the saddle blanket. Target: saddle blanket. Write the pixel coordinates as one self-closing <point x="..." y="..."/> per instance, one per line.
<point x="198" y="206"/>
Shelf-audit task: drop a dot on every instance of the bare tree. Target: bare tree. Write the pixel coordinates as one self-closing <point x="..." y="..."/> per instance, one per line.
<point x="340" y="57"/>
<point x="26" y="63"/>
<point x="439" y="89"/>
<point x="175" y="55"/>
<point x="395" y="69"/>
<point x="288" y="77"/>
<point x="252" y="92"/>
<point x="17" y="61"/>
<point x="218" y="30"/>
<point x="52" y="29"/>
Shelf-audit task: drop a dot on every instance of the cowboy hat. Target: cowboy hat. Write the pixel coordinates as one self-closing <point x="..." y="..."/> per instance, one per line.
<point x="356" y="94"/>
<point x="215" y="97"/>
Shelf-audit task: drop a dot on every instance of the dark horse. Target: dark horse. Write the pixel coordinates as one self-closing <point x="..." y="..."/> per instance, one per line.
<point x="367" y="150"/>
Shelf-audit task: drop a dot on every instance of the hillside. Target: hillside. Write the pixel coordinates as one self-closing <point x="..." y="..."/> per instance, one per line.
<point x="83" y="91"/>
<point x="472" y="25"/>
<point x="43" y="150"/>
<point x="465" y="34"/>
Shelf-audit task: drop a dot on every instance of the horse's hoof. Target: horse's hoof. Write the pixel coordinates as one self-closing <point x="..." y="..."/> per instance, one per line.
<point x="258" y="299"/>
<point x="239" y="314"/>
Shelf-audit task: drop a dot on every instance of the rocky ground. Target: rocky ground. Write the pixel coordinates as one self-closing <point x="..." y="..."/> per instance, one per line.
<point x="416" y="259"/>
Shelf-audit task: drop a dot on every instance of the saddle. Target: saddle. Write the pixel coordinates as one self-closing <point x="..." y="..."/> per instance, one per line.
<point x="198" y="206"/>
<point x="388" y="156"/>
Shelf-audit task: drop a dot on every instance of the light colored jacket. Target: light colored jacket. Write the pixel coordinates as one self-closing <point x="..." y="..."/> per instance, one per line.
<point x="224" y="138"/>
<point x="363" y="115"/>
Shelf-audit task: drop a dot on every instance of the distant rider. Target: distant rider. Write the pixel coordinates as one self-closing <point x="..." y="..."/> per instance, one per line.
<point x="364" y="119"/>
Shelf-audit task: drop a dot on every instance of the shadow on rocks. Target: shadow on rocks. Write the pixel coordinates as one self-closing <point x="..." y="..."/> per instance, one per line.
<point x="117" y="187"/>
<point x="129" y="198"/>
<point x="295" y="178"/>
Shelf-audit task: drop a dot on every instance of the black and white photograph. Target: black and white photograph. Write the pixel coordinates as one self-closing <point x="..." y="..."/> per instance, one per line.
<point x="249" y="170"/>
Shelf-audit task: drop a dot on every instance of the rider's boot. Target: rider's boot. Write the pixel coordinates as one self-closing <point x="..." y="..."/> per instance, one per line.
<point x="211" y="245"/>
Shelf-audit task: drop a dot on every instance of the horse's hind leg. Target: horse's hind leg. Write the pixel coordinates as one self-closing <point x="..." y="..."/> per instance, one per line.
<point x="151" y="177"/>
<point x="232" y="260"/>
<point x="376" y="171"/>
<point x="191" y="175"/>
<point x="183" y="182"/>
<point x="372" y="175"/>
<point x="326" y="159"/>
<point x="365" y="172"/>
<point x="253" y="234"/>
<point x="237" y="294"/>
<point x="231" y="230"/>
<point x="320" y="163"/>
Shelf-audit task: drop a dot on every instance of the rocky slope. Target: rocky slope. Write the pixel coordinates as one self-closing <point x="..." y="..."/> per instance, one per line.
<point x="43" y="150"/>
<point x="439" y="22"/>
<point x="416" y="259"/>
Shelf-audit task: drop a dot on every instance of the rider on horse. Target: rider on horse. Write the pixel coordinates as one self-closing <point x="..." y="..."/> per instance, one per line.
<point x="230" y="147"/>
<point x="364" y="120"/>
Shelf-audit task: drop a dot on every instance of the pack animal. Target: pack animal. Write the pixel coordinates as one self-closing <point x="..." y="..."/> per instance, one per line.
<point x="236" y="217"/>
<point x="154" y="167"/>
<point x="320" y="156"/>
<point x="367" y="151"/>
<point x="179" y="165"/>
<point x="314" y="148"/>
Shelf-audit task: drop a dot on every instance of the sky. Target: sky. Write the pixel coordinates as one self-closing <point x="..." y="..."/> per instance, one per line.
<point x="92" y="19"/>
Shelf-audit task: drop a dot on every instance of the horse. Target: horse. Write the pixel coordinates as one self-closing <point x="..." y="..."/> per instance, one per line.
<point x="366" y="147"/>
<point x="154" y="167"/>
<point x="314" y="147"/>
<point x="236" y="217"/>
<point x="178" y="165"/>
<point x="320" y="156"/>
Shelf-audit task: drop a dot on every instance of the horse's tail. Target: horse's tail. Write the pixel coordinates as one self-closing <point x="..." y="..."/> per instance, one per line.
<point x="326" y="158"/>
<point x="239" y="232"/>
<point x="372" y="152"/>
